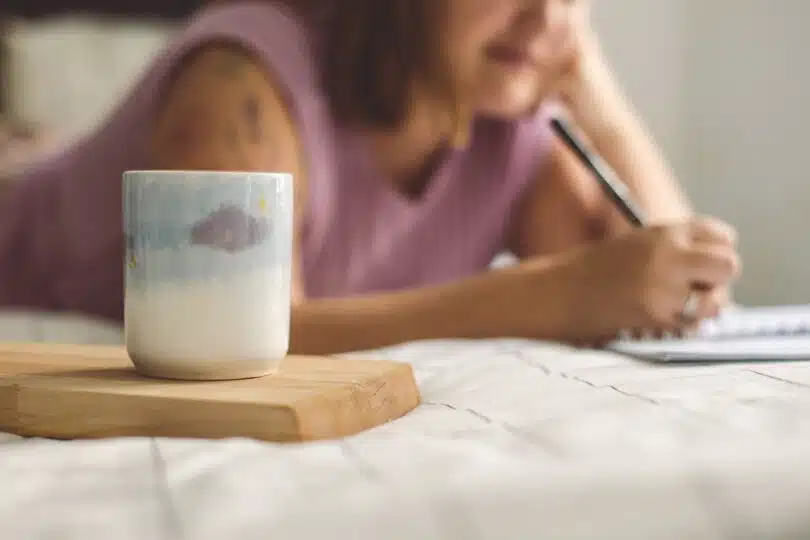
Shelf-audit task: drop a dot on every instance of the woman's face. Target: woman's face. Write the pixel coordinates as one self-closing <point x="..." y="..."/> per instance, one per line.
<point x="507" y="54"/>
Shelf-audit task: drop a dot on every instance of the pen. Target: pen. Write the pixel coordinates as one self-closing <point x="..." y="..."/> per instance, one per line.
<point x="610" y="183"/>
<point x="615" y="189"/>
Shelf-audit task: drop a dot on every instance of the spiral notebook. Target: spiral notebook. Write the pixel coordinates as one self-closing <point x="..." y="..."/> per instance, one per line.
<point x="767" y="333"/>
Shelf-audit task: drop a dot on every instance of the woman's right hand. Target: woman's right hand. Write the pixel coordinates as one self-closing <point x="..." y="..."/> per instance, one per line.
<point x="641" y="280"/>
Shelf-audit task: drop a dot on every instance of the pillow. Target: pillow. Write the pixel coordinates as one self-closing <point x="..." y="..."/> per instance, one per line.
<point x="66" y="72"/>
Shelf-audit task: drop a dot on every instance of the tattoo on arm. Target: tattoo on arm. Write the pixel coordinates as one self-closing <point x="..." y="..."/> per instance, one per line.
<point x="232" y="64"/>
<point x="253" y="118"/>
<point x="183" y="134"/>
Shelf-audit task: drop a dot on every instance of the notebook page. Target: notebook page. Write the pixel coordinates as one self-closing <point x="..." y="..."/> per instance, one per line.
<point x="739" y="334"/>
<point x="758" y="321"/>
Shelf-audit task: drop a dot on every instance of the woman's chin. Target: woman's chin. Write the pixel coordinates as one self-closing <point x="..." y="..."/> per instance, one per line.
<point x="511" y="109"/>
<point x="513" y="101"/>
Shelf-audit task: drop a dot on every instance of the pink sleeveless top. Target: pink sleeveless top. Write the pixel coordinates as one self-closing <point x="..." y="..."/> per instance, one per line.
<point x="61" y="241"/>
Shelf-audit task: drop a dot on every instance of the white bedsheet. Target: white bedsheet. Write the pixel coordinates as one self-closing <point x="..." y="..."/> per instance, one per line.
<point x="515" y="440"/>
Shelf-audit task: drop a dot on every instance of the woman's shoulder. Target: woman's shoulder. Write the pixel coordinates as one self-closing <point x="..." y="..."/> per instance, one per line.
<point x="241" y="91"/>
<point x="248" y="56"/>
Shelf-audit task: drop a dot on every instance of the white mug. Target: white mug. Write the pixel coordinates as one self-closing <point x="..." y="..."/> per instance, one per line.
<point x="208" y="272"/>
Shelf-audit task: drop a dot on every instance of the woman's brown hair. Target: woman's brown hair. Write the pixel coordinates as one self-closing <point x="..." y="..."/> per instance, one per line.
<point x="374" y="51"/>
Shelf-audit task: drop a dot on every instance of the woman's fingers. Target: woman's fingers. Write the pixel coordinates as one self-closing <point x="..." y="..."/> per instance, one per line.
<point x="708" y="305"/>
<point x="712" y="231"/>
<point x="710" y="266"/>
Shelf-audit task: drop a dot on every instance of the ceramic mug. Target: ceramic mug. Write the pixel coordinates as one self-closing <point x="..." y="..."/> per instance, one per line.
<point x="207" y="272"/>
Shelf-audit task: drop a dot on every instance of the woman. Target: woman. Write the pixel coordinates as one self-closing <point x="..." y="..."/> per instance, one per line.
<point x="417" y="131"/>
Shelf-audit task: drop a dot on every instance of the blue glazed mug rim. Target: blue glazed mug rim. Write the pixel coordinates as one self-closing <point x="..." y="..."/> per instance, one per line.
<point x="195" y="176"/>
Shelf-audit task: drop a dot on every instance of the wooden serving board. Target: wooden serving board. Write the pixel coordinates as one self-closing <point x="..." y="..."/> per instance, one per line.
<point x="76" y="392"/>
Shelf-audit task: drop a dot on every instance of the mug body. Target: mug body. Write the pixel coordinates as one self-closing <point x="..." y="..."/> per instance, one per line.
<point x="207" y="272"/>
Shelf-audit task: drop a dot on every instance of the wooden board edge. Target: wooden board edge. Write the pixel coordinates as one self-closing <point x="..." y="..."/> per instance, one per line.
<point x="9" y="406"/>
<point x="106" y="416"/>
<point x="396" y="397"/>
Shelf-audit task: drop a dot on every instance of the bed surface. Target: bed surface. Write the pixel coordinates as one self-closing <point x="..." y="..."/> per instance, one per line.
<point x="515" y="440"/>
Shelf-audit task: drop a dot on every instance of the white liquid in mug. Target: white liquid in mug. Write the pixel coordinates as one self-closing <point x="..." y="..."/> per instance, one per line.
<point x="246" y="317"/>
